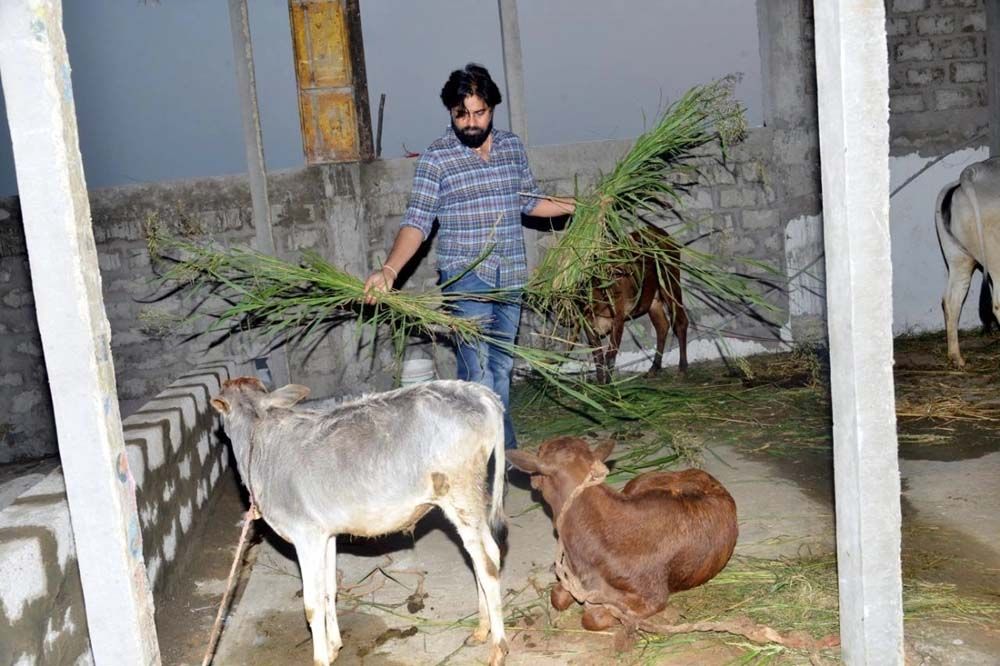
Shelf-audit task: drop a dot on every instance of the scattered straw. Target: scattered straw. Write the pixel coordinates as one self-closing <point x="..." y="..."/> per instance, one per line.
<point x="801" y="595"/>
<point x="946" y="408"/>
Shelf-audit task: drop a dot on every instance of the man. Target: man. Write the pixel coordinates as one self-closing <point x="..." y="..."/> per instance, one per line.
<point x="476" y="182"/>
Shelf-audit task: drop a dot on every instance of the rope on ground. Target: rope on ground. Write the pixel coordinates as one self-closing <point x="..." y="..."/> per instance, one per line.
<point x="743" y="626"/>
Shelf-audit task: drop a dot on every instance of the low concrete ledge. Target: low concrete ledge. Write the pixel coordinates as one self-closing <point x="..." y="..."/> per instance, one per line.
<point x="176" y="458"/>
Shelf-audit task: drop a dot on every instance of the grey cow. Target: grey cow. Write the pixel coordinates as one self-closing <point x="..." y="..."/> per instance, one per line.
<point x="967" y="216"/>
<point x="367" y="468"/>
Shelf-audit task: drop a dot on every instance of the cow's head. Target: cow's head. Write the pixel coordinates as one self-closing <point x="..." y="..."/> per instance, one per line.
<point x="249" y="393"/>
<point x="560" y="465"/>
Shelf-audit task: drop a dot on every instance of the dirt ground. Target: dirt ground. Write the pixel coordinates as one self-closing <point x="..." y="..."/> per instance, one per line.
<point x="763" y="428"/>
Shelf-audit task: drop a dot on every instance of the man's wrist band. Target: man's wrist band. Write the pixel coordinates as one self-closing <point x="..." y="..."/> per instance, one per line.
<point x="394" y="273"/>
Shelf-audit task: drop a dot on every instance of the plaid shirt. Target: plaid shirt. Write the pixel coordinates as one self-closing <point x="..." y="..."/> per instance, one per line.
<point x="476" y="203"/>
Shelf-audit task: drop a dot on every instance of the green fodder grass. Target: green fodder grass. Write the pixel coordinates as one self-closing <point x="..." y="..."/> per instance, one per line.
<point x="800" y="594"/>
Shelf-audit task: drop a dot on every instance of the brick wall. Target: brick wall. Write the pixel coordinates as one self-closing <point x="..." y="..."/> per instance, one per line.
<point x="937" y="73"/>
<point x="152" y="339"/>
<point x="176" y="457"/>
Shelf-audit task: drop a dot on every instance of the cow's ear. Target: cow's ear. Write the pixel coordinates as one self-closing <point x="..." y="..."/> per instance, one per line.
<point x="526" y="462"/>
<point x="604" y="449"/>
<point x="286" y="396"/>
<point x="220" y="405"/>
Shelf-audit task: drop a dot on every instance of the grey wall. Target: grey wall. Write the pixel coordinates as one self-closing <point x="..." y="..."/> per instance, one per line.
<point x="151" y="339"/>
<point x="593" y="70"/>
<point x="410" y="47"/>
<point x="155" y="91"/>
<point x="597" y="70"/>
<point x="156" y="94"/>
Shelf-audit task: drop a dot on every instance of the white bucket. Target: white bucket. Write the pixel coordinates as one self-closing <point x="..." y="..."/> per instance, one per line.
<point x="417" y="370"/>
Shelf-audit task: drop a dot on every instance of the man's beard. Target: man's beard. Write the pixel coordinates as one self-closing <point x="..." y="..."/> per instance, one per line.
<point x="473" y="138"/>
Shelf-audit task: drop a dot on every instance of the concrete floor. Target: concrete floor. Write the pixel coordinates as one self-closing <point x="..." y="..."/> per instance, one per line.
<point x="779" y="516"/>
<point x="267" y="627"/>
<point x="411" y="600"/>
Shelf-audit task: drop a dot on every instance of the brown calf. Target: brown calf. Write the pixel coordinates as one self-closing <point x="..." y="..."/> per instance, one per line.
<point x="623" y="553"/>
<point x="638" y="289"/>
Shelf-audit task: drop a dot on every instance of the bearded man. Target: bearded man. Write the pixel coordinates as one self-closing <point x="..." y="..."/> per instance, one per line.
<point x="475" y="181"/>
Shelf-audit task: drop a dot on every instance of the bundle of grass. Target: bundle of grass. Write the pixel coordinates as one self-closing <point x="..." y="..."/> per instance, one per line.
<point x="610" y="227"/>
<point x="283" y="301"/>
<point x="287" y="303"/>
<point x="645" y="427"/>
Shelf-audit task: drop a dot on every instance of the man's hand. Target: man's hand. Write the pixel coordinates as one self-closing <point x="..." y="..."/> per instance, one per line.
<point x="380" y="281"/>
<point x="554" y="207"/>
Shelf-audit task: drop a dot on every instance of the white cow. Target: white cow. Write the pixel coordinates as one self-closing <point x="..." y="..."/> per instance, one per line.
<point x="968" y="225"/>
<point x="371" y="467"/>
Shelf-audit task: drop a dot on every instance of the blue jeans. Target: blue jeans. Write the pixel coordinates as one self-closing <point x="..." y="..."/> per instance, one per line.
<point x="482" y="362"/>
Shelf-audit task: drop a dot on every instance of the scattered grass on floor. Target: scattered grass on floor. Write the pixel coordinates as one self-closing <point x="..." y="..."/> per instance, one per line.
<point x="801" y="595"/>
<point x="779" y="404"/>
<point x="953" y="407"/>
<point x="789" y="594"/>
<point x="670" y="419"/>
<point x="775" y="404"/>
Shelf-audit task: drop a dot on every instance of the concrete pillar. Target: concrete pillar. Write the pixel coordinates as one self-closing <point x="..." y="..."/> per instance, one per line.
<point x="75" y="333"/>
<point x="993" y="72"/>
<point x="787" y="71"/>
<point x="239" y="24"/>
<point x="853" y="82"/>
<point x="513" y="71"/>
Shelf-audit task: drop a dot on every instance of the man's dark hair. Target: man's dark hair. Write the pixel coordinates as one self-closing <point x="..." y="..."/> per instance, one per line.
<point x="473" y="80"/>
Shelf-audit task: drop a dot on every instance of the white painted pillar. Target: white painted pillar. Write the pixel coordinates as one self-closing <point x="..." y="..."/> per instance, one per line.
<point x="239" y="24"/>
<point x="76" y="336"/>
<point x="852" y="79"/>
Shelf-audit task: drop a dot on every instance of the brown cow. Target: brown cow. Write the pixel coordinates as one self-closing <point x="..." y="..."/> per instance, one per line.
<point x="624" y="553"/>
<point x="638" y="289"/>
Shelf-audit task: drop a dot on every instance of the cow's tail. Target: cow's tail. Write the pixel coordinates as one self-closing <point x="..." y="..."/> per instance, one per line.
<point x="942" y="209"/>
<point x="942" y="215"/>
<point x="498" y="519"/>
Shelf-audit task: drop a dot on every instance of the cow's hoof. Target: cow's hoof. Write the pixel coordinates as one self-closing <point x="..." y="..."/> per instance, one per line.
<point x="478" y="636"/>
<point x="498" y="655"/>
<point x="957" y="362"/>
<point x="624" y="640"/>
<point x="652" y="373"/>
<point x="597" y="618"/>
<point x="320" y="660"/>
<point x="561" y="598"/>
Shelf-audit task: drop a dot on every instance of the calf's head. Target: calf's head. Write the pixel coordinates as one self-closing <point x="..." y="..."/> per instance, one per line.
<point x="560" y="465"/>
<point x="247" y="397"/>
